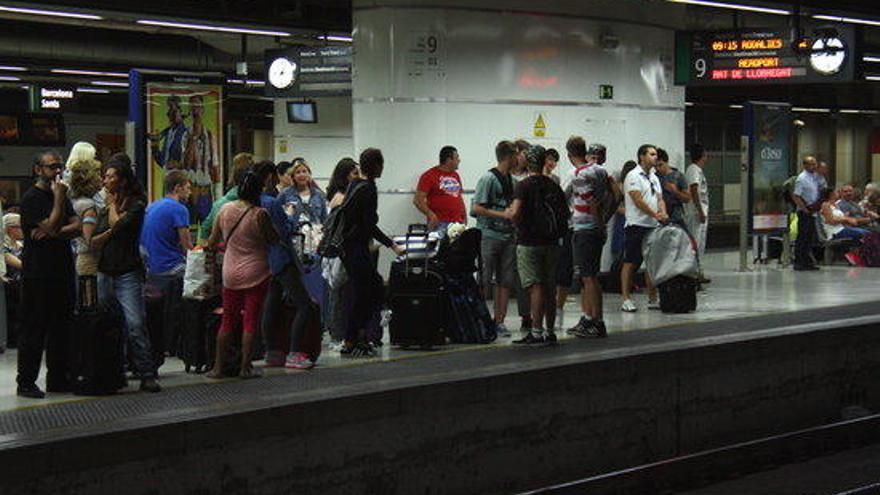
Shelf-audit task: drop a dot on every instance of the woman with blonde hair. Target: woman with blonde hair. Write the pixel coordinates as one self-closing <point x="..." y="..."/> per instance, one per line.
<point x="85" y="182"/>
<point x="304" y="201"/>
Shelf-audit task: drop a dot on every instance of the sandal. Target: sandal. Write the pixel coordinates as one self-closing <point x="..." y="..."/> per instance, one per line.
<point x="251" y="372"/>
<point x="215" y="374"/>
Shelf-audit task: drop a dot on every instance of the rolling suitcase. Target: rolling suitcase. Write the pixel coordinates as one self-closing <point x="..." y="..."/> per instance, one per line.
<point x="678" y="295"/>
<point x="416" y="299"/>
<point x="199" y="328"/>
<point x="97" y="350"/>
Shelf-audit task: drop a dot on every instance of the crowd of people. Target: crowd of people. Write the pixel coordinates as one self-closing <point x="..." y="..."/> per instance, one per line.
<point x="85" y="231"/>
<point x="839" y="212"/>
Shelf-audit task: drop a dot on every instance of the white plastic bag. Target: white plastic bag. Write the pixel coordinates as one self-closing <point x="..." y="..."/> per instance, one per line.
<point x="333" y="272"/>
<point x="198" y="280"/>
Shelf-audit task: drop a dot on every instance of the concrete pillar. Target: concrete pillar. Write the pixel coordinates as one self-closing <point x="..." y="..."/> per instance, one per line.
<point x="427" y="75"/>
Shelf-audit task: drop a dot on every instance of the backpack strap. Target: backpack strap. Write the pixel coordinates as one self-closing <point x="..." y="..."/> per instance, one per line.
<point x="506" y="183"/>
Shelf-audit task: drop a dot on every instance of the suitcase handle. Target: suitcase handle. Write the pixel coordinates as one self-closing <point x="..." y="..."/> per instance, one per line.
<point x="413" y="230"/>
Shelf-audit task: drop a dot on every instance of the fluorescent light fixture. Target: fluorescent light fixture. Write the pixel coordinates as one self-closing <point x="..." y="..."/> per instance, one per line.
<point x="688" y="103"/>
<point x="93" y="90"/>
<point x="869" y="58"/>
<point x="736" y="107"/>
<point x="811" y="110"/>
<point x="13" y="68"/>
<point x="50" y="13"/>
<point x="206" y="27"/>
<point x="25" y="87"/>
<point x="872" y="78"/>
<point x="111" y="83"/>
<point x="851" y="20"/>
<point x="333" y="37"/>
<point x="78" y="72"/>
<point x="735" y="6"/>
<point x="248" y="82"/>
<point x="9" y="78"/>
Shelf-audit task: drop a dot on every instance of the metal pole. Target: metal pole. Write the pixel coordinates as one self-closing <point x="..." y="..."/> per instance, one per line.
<point x="744" y="204"/>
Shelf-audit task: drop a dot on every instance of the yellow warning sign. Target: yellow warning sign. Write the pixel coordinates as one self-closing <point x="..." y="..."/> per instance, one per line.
<point x="540" y="129"/>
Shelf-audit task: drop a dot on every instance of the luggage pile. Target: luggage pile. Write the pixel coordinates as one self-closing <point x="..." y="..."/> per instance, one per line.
<point x="433" y="296"/>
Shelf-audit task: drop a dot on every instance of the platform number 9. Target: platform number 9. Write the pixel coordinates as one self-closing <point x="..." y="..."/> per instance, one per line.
<point x="432" y="44"/>
<point x="700" y="65"/>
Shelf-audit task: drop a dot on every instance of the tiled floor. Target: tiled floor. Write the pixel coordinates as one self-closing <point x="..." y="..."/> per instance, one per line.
<point x="731" y="294"/>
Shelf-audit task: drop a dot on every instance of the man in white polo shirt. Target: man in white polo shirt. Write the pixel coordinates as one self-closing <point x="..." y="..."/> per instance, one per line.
<point x="645" y="211"/>
<point x="697" y="211"/>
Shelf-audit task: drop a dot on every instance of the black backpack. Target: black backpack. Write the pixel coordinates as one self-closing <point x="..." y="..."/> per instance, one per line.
<point x="336" y="228"/>
<point x="551" y="213"/>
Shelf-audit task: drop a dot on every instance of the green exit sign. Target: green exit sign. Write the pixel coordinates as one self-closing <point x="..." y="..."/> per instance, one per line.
<point x="606" y="92"/>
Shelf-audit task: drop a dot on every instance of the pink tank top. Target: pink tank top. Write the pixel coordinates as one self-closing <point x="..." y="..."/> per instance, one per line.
<point x="246" y="261"/>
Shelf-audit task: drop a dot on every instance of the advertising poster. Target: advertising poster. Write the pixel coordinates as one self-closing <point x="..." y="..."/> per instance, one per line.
<point x="769" y="128"/>
<point x="184" y="126"/>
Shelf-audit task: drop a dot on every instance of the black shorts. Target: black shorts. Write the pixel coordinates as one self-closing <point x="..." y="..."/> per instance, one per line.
<point x="587" y="248"/>
<point x="633" y="237"/>
<point x="564" y="271"/>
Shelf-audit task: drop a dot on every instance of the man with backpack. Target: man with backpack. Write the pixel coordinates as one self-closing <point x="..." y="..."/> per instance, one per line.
<point x="492" y="197"/>
<point x="590" y="194"/>
<point x="541" y="214"/>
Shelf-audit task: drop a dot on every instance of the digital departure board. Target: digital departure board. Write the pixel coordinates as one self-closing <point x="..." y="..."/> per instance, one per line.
<point x="765" y="56"/>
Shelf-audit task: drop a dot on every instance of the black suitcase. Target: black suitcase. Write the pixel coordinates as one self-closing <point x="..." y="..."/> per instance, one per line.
<point x="416" y="299"/>
<point x="154" y="304"/>
<point x="198" y="333"/>
<point x="678" y="295"/>
<point x="97" y="350"/>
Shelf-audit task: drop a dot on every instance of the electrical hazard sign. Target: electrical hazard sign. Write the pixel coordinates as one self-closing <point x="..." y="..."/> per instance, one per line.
<point x="540" y="127"/>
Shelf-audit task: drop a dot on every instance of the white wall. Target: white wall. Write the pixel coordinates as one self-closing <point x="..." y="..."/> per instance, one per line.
<point x="322" y="144"/>
<point x="499" y="71"/>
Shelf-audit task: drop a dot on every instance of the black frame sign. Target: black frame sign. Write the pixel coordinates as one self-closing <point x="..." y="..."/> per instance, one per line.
<point x="317" y="71"/>
<point x="766" y="56"/>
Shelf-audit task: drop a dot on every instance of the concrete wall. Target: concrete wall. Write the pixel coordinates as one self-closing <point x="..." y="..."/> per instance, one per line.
<point x="478" y="434"/>
<point x="322" y="144"/>
<point x="494" y="72"/>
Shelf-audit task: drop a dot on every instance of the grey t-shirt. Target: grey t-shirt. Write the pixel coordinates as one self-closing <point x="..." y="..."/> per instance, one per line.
<point x="490" y="194"/>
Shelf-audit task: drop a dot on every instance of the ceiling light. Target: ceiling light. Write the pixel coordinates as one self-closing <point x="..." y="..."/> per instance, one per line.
<point x="249" y="82"/>
<point x="51" y="13"/>
<point x="110" y="83"/>
<point x="12" y="68"/>
<point x="78" y="72"/>
<point x="851" y="20"/>
<point x="811" y="110"/>
<point x="736" y="6"/>
<point x="333" y="37"/>
<point x="93" y="90"/>
<point x="869" y="58"/>
<point x="688" y="103"/>
<point x="872" y="78"/>
<point x="9" y="78"/>
<point x="736" y="107"/>
<point x="206" y="27"/>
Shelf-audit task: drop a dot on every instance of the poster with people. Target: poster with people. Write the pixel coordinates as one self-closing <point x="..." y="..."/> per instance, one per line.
<point x="184" y="125"/>
<point x="769" y="128"/>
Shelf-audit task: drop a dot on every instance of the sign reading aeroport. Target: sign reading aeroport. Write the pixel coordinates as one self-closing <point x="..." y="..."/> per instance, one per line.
<point x="765" y="56"/>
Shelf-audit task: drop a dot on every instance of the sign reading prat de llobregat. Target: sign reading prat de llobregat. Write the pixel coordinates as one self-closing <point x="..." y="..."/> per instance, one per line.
<point x="308" y="71"/>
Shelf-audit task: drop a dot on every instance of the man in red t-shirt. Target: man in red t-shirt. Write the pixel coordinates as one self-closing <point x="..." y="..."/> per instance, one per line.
<point x="439" y="193"/>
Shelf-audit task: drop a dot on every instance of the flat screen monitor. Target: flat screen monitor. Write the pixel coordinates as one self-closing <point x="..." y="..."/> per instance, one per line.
<point x="302" y="112"/>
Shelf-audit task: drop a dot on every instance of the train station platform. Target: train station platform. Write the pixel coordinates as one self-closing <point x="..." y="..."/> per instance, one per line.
<point x="767" y="351"/>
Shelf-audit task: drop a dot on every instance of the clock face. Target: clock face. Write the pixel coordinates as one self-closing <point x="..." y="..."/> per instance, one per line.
<point x="828" y="62"/>
<point x="282" y="73"/>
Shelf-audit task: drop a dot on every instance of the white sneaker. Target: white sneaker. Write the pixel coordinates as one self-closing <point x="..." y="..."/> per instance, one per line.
<point x="628" y="306"/>
<point x="655" y="304"/>
<point x="502" y="330"/>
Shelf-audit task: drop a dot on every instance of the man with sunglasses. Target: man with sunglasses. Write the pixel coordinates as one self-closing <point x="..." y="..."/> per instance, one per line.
<point x="645" y="211"/>
<point x="49" y="222"/>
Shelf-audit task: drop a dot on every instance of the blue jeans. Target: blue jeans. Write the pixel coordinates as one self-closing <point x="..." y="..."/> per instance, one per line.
<point x="854" y="233"/>
<point x="128" y="289"/>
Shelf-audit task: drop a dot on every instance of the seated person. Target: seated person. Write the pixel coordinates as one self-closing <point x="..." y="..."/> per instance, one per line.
<point x="870" y="202"/>
<point x="837" y="224"/>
